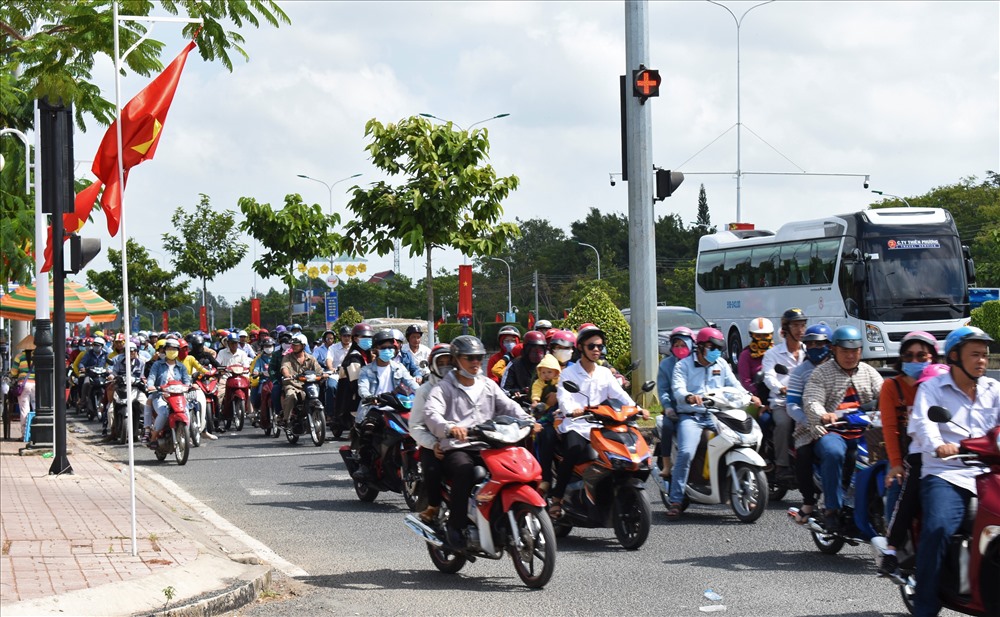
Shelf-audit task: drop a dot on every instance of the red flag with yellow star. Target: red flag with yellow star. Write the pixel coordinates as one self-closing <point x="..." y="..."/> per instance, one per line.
<point x="465" y="291"/>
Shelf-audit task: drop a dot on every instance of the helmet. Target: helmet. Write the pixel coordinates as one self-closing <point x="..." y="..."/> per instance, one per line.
<point x="299" y="339"/>
<point x="99" y="333"/>
<point x="159" y="344"/>
<point x="196" y="340"/>
<point x="295" y="327"/>
<point x="267" y="341"/>
<point x="233" y="337"/>
<point x="761" y="325"/>
<point x="508" y="331"/>
<point x="414" y="329"/>
<point x="143" y="338"/>
<point x="183" y="344"/>
<point x="588" y="331"/>
<point x="792" y="314"/>
<point x="467" y="345"/>
<point x="345" y="330"/>
<point x="330" y="332"/>
<point x="382" y="336"/>
<point x="440" y="350"/>
<point x="562" y="338"/>
<point x="285" y="337"/>
<point x="963" y="335"/>
<point x="543" y="324"/>
<point x="920" y="336"/>
<point x="98" y="341"/>
<point x="931" y="371"/>
<point x="362" y="330"/>
<point x="534" y="337"/>
<point x="132" y="347"/>
<point x="243" y="333"/>
<point x="712" y="336"/>
<point x="846" y="337"/>
<point x="682" y="333"/>
<point x="280" y="329"/>
<point x="120" y="337"/>
<point x="398" y="335"/>
<point x="817" y="332"/>
<point x="171" y="343"/>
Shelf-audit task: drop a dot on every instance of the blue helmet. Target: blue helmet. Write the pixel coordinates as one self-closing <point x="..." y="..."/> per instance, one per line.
<point x="818" y="332"/>
<point x="846" y="337"/>
<point x="295" y="327"/>
<point x="233" y="337"/>
<point x="963" y="335"/>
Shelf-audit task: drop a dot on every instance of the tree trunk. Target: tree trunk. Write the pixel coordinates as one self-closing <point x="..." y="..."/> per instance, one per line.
<point x="430" y="300"/>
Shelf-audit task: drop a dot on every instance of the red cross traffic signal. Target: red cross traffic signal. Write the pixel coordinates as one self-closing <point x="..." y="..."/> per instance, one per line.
<point x="645" y="83"/>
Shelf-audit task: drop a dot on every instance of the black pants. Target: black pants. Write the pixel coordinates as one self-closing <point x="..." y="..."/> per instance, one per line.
<point x="804" y="460"/>
<point x="459" y="465"/>
<point x="545" y="446"/>
<point x="430" y="467"/>
<point x="907" y="504"/>
<point x="576" y="449"/>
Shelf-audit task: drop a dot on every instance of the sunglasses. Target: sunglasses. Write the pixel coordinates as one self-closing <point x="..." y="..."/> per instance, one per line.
<point x="475" y="357"/>
<point x="593" y="346"/>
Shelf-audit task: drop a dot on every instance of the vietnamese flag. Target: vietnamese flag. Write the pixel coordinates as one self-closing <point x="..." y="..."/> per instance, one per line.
<point x="465" y="291"/>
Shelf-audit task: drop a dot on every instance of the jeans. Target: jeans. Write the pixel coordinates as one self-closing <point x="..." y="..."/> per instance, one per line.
<point x="667" y="426"/>
<point x="689" y="428"/>
<point x="944" y="507"/>
<point x="161" y="410"/>
<point x="329" y="395"/>
<point x="833" y="451"/>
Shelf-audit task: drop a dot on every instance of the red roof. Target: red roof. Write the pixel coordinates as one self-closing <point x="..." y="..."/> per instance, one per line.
<point x="380" y="277"/>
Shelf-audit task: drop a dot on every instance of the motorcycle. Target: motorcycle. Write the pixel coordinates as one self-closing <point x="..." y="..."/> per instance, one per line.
<point x="264" y="418"/>
<point x="176" y="438"/>
<point x="98" y="377"/>
<point x="971" y="567"/>
<point x="726" y="465"/>
<point x="506" y="510"/>
<point x="121" y="404"/>
<point x="307" y="415"/>
<point x="208" y="383"/>
<point x="862" y="513"/>
<point x="610" y="489"/>
<point x="396" y="464"/>
<point x="234" y="405"/>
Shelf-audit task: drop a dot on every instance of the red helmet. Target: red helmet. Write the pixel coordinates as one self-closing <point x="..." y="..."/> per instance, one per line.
<point x="562" y="338"/>
<point x="710" y="335"/>
<point x="534" y="337"/>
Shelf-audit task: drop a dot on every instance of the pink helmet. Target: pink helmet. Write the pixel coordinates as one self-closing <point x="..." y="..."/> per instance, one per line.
<point x="920" y="336"/>
<point x="931" y="371"/>
<point x="711" y="335"/>
<point x="562" y="338"/>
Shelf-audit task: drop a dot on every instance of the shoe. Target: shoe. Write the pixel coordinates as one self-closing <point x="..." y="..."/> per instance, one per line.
<point x="429" y="515"/>
<point x="802" y="517"/>
<point x="210" y="436"/>
<point x="145" y="437"/>
<point x="555" y="509"/>
<point x="674" y="511"/>
<point x="889" y="565"/>
<point x="454" y="539"/>
<point x="362" y="474"/>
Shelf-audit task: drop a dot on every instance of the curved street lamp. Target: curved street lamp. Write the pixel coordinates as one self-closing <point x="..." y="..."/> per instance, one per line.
<point x="471" y="125"/>
<point x="510" y="304"/>
<point x="598" y="257"/>
<point x="884" y="194"/>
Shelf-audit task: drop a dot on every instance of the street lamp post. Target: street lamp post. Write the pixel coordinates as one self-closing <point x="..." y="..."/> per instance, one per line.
<point x="884" y="194"/>
<point x="598" y="257"/>
<point x="329" y="189"/>
<point x="510" y="303"/>
<point x="471" y="125"/>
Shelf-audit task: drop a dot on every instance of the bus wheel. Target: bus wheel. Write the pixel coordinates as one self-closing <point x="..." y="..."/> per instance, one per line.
<point x="735" y="346"/>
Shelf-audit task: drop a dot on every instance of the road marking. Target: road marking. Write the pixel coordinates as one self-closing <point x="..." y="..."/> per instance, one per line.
<point x="264" y="492"/>
<point x="210" y="515"/>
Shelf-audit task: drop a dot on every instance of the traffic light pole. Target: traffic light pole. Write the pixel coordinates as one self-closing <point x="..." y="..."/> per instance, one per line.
<point x="642" y="245"/>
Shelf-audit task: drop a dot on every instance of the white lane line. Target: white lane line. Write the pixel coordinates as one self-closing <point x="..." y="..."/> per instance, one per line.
<point x="210" y="515"/>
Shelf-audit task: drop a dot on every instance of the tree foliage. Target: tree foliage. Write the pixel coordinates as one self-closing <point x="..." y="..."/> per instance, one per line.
<point x="150" y="286"/>
<point x="205" y="245"/>
<point x="598" y="309"/>
<point x="351" y="317"/>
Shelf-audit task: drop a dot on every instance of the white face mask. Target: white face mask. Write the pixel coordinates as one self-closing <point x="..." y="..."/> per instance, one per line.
<point x="286" y="346"/>
<point x="563" y="355"/>
<point x="269" y="350"/>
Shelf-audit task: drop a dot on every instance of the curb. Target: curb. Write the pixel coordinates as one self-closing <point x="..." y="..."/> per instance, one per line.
<point x="236" y="596"/>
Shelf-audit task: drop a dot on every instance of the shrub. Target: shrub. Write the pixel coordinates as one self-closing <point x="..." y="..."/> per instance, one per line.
<point x="987" y="317"/>
<point x="448" y="331"/>
<point x="598" y="309"/>
<point x="350" y="317"/>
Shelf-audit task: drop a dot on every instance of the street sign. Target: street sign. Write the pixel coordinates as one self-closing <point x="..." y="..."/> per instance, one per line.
<point x="135" y="323"/>
<point x="332" y="308"/>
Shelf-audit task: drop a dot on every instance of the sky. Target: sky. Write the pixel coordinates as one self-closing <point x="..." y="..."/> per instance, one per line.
<point x="906" y="92"/>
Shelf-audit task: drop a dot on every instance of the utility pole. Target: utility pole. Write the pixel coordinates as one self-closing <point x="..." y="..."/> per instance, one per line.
<point x="537" y="314"/>
<point x="641" y="241"/>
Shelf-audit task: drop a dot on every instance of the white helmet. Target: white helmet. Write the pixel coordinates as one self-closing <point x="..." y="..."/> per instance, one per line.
<point x="300" y="339"/>
<point x="99" y="341"/>
<point x="761" y="325"/>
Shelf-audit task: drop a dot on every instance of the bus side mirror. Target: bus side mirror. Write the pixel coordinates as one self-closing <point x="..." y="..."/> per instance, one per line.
<point x="970" y="266"/>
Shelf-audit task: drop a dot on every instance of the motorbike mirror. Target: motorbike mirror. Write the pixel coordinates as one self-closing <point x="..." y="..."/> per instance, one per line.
<point x="781" y="369"/>
<point x="648" y="386"/>
<point x="939" y="414"/>
<point x="635" y="365"/>
<point x="571" y="387"/>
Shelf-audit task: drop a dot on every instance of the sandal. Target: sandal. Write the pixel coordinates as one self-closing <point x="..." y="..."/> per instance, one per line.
<point x="674" y="511"/>
<point x="801" y="517"/>
<point x="555" y="508"/>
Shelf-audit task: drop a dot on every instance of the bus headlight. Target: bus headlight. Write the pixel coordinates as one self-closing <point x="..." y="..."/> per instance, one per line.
<point x="873" y="334"/>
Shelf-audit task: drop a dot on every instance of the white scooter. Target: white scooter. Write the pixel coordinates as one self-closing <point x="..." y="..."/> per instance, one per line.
<point x="726" y="466"/>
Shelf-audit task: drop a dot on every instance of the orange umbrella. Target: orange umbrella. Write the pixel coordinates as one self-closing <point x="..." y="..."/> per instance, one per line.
<point x="80" y="302"/>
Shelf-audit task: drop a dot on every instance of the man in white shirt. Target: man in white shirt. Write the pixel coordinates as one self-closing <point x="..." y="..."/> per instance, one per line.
<point x="335" y="356"/>
<point x="230" y="354"/>
<point x="417" y="351"/>
<point x="791" y="354"/>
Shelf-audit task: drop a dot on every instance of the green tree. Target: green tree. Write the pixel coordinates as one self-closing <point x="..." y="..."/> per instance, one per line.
<point x="205" y="245"/>
<point x="350" y="317"/>
<point x="704" y="219"/>
<point x="451" y="197"/>
<point x="597" y="308"/>
<point x="295" y="234"/>
<point x="149" y="285"/>
<point x="49" y="48"/>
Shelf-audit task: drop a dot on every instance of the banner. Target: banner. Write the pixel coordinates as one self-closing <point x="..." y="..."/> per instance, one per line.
<point x="203" y="319"/>
<point x="465" y="291"/>
<point x="255" y="311"/>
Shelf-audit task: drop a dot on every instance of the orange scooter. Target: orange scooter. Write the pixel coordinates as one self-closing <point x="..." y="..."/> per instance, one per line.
<point x="609" y="490"/>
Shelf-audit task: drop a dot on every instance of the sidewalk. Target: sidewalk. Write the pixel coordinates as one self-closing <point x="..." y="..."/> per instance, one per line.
<point x="67" y="549"/>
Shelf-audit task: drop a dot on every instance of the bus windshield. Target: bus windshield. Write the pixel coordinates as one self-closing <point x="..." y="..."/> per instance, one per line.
<point x="915" y="278"/>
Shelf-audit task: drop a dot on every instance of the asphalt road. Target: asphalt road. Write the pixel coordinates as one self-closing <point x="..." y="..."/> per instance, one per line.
<point x="360" y="559"/>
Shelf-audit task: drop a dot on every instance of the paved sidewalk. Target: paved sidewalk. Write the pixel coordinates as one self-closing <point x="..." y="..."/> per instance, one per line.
<point x="66" y="544"/>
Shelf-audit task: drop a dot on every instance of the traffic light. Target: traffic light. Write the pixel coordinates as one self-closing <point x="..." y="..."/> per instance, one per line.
<point x="81" y="251"/>
<point x="666" y="183"/>
<point x="645" y="83"/>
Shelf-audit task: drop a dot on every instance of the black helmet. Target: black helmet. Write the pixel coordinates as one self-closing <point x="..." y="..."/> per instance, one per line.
<point x="382" y="336"/>
<point x="267" y="341"/>
<point x="195" y="340"/>
<point x="414" y="329"/>
<point x="467" y="345"/>
<point x="285" y="337"/>
<point x="345" y="330"/>
<point x="362" y="330"/>
<point x="792" y="314"/>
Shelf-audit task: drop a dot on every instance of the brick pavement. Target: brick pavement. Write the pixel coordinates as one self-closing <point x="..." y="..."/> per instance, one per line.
<point x="72" y="532"/>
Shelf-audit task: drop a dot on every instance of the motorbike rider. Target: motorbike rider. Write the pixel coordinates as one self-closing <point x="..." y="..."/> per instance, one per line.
<point x="298" y="361"/>
<point x="561" y="344"/>
<point x="335" y="357"/>
<point x="843" y="384"/>
<point x="439" y="362"/>
<point x="693" y="376"/>
<point x="230" y="355"/>
<point x="163" y="371"/>
<point x="297" y="329"/>
<point x="244" y="344"/>
<point x="117" y="346"/>
<point x="406" y="360"/>
<point x="817" y="342"/>
<point x="322" y="352"/>
<point x="749" y="362"/>
<point x="507" y="338"/>
<point x="283" y="348"/>
<point x="791" y="354"/>
<point x="385" y="374"/>
<point x="946" y="486"/>
<point x="543" y="326"/>
<point x="95" y="356"/>
<point x="260" y="371"/>
<point x="597" y="384"/>
<point x="415" y="350"/>
<point x="517" y="381"/>
<point x="681" y="343"/>
<point x="356" y="358"/>
<point x="118" y="368"/>
<point x="464" y="398"/>
<point x="195" y="368"/>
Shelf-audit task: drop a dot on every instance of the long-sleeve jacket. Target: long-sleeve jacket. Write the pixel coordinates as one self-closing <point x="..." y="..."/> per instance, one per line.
<point x="664" y="383"/>
<point x="89" y="359"/>
<point x="162" y="372"/>
<point x="693" y="378"/>
<point x="418" y="420"/>
<point x="119" y="363"/>
<point x="826" y="388"/>
<point x="368" y="383"/>
<point x="774" y="356"/>
<point x="22" y="368"/>
<point x="895" y="403"/>
<point x="802" y="434"/>
<point x="449" y="404"/>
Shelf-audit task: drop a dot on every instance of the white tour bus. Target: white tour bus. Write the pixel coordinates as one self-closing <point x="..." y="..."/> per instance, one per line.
<point x="886" y="272"/>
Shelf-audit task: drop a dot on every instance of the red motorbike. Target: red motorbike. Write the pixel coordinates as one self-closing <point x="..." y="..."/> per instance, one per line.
<point x="234" y="405"/>
<point x="208" y="383"/>
<point x="971" y="568"/>
<point x="506" y="510"/>
<point x="177" y="437"/>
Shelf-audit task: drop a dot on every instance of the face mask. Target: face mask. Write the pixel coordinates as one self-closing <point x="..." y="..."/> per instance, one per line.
<point x="161" y="354"/>
<point x="386" y="354"/>
<point x="681" y="352"/>
<point x="508" y="345"/>
<point x="365" y="343"/>
<point x="713" y="355"/>
<point x="817" y="354"/>
<point x="913" y="369"/>
<point x="563" y="355"/>
<point x="467" y="374"/>
<point x="171" y="354"/>
<point x="286" y="346"/>
<point x="269" y="350"/>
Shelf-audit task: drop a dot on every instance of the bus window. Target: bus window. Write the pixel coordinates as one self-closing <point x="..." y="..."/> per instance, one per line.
<point x="824" y="260"/>
<point x="801" y="254"/>
<point x="737" y="269"/>
<point x="763" y="266"/>
<point x="710" y="270"/>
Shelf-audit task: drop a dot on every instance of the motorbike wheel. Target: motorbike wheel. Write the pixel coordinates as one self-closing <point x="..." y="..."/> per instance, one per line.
<point x="562" y="529"/>
<point x="161" y="456"/>
<point x="828" y="544"/>
<point x="292" y="437"/>
<point x="748" y="496"/>
<point x="446" y="561"/>
<point x="119" y="433"/>
<point x="239" y="414"/>
<point x="366" y="492"/>
<point x="195" y="429"/>
<point x="276" y="432"/>
<point x="317" y="427"/>
<point x="632" y="518"/>
<point x="92" y="409"/>
<point x="536" y="559"/>
<point x="182" y="445"/>
<point x="413" y="484"/>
